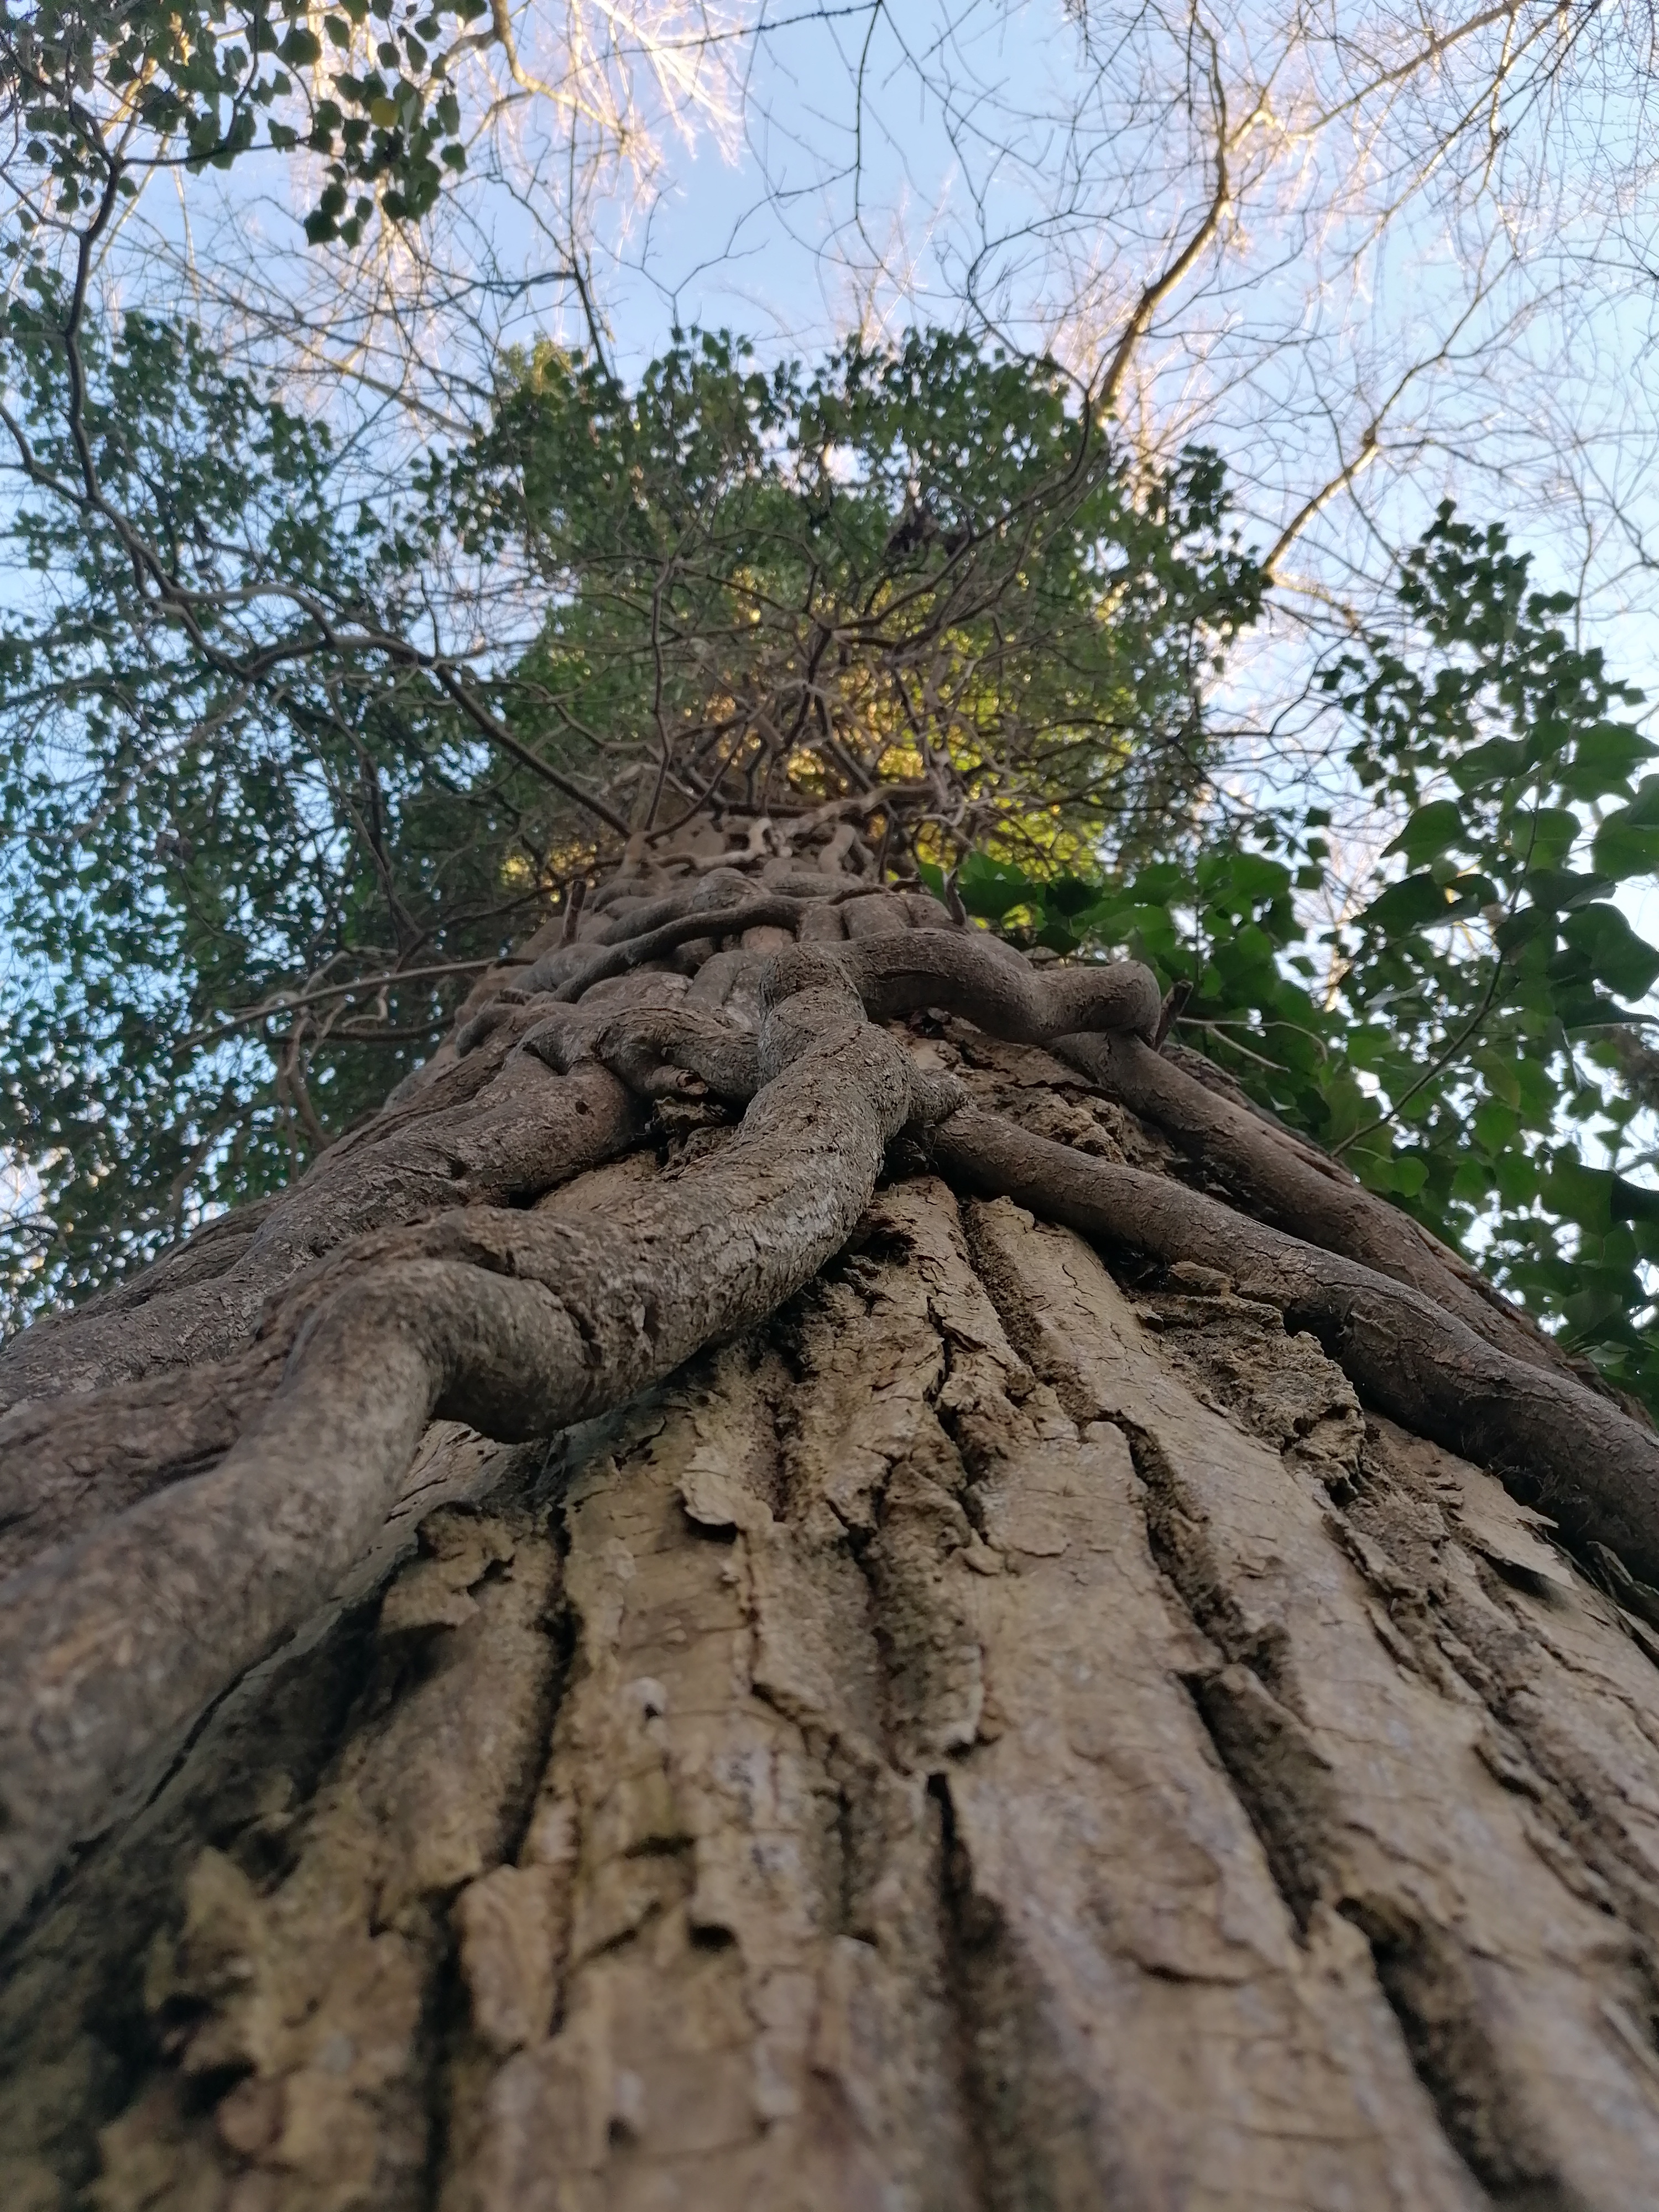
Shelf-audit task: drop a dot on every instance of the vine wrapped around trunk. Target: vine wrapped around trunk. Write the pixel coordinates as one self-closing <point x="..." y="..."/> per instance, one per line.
<point x="202" y="1467"/>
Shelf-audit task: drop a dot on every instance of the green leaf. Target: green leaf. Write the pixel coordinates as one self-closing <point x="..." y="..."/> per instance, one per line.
<point x="1249" y="876"/>
<point x="1415" y="902"/>
<point x="1494" y="1125"/>
<point x="1632" y="1202"/>
<point x="990" y="888"/>
<point x="1604" y="759"/>
<point x="1580" y="1193"/>
<point x="1068" y="896"/>
<point x="1644" y="807"/>
<point x="1557" y="889"/>
<point x="1497" y="761"/>
<point x="1616" y="955"/>
<point x="1547" y="836"/>
<point x="1625" y="846"/>
<point x="1430" y="830"/>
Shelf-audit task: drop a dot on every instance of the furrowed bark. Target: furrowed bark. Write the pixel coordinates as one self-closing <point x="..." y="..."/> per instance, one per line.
<point x="61" y="1471"/>
<point x="108" y="1674"/>
<point x="989" y="1769"/>
<point x="66" y="1464"/>
<point x="520" y="1324"/>
<point x="973" y="1739"/>
<point x="1560" y="1446"/>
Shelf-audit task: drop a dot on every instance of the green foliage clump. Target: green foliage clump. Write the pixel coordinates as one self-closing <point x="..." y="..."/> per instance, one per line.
<point x="1469" y="1040"/>
<point x="207" y="806"/>
<point x="912" y="562"/>
<point x="97" y="97"/>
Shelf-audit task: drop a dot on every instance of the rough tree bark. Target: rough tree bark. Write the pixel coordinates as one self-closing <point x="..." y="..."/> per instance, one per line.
<point x="981" y="1630"/>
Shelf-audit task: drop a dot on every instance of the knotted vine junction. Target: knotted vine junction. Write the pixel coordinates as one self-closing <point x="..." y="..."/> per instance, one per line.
<point x="818" y="1564"/>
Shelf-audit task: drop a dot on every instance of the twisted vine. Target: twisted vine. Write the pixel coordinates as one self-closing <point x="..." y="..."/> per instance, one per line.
<point x="178" y="1521"/>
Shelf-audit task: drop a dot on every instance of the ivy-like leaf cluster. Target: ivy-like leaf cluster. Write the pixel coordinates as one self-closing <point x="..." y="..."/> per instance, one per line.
<point x="98" y="96"/>
<point x="1473" y="1042"/>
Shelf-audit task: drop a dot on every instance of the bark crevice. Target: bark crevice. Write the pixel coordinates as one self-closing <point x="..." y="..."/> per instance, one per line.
<point x="1030" y="2118"/>
<point x="1430" y="1979"/>
<point x="971" y="1739"/>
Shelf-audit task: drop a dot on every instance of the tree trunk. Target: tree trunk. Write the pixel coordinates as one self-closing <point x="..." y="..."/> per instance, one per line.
<point x="1003" y="1731"/>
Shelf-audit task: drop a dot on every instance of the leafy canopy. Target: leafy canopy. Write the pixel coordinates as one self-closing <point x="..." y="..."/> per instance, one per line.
<point x="286" y="766"/>
<point x="914" y="568"/>
<point x="264" y="818"/>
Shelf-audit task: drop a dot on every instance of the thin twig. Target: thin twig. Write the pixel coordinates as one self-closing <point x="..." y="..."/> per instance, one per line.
<point x="285" y="1004"/>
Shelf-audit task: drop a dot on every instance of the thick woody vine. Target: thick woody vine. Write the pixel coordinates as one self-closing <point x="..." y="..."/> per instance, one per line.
<point x="192" y="1463"/>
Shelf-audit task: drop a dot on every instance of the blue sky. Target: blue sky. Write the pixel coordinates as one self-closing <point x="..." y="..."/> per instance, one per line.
<point x="1028" y="167"/>
<point x="1033" y="164"/>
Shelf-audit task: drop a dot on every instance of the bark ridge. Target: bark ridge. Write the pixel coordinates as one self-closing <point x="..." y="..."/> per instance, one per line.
<point x="988" y="1729"/>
